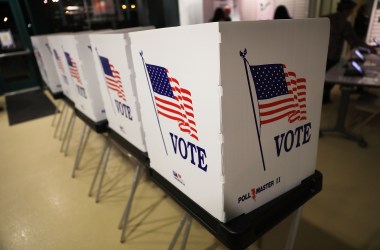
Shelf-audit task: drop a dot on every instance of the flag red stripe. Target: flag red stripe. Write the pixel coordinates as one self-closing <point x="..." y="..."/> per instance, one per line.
<point x="175" y="105"/>
<point x="272" y="104"/>
<point x="302" y="100"/>
<point x="173" y="110"/>
<point x="276" y="118"/>
<point x="273" y="111"/>
<point x="301" y="87"/>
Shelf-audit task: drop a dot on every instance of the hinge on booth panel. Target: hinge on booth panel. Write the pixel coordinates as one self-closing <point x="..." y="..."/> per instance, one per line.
<point x="220" y="90"/>
<point x="221" y="138"/>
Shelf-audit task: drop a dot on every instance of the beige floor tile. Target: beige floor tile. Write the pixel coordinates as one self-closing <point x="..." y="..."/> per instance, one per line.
<point x="42" y="207"/>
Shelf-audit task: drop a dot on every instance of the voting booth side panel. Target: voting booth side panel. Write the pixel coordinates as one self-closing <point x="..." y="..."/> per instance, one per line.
<point x="38" y="56"/>
<point x="84" y="49"/>
<point x="45" y="53"/>
<point x="77" y="77"/>
<point x="177" y="78"/>
<point x="56" y="46"/>
<point x="115" y="87"/>
<point x="47" y="57"/>
<point x="373" y="28"/>
<point x="132" y="89"/>
<point x="97" y="41"/>
<point x="272" y="75"/>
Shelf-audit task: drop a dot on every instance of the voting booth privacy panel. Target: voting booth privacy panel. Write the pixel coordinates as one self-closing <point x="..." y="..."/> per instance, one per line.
<point x="373" y="34"/>
<point x="43" y="54"/>
<point x="56" y="44"/>
<point x="231" y="110"/>
<point x="80" y="64"/>
<point x="113" y="63"/>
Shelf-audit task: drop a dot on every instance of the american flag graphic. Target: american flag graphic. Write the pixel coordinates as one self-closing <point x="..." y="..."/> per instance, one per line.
<point x="58" y="60"/>
<point x="112" y="77"/>
<point x="279" y="92"/>
<point x="172" y="101"/>
<point x="73" y="68"/>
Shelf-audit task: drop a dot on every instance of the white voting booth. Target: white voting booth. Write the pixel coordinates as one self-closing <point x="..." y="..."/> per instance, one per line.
<point x="43" y="54"/>
<point x="56" y="44"/>
<point x="80" y="64"/>
<point x="373" y="34"/>
<point x="113" y="63"/>
<point x="231" y="110"/>
<point x="38" y="56"/>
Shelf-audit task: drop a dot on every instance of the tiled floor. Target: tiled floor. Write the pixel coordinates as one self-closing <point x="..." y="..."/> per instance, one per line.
<point x="42" y="207"/>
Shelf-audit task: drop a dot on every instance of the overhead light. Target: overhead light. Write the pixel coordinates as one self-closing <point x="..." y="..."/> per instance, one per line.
<point x="124" y="6"/>
<point x="72" y="8"/>
<point x="5" y="19"/>
<point x="45" y="1"/>
<point x="133" y="6"/>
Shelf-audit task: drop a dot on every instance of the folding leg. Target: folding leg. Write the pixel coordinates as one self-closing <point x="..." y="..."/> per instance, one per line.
<point x="60" y="120"/>
<point x="186" y="219"/>
<point x="186" y="233"/>
<point x="124" y="218"/>
<point x="59" y="106"/>
<point x="106" y="148"/>
<point x="82" y="145"/>
<point x="293" y="229"/>
<point x="70" y="135"/>
<point x="66" y="137"/>
<point x="63" y="125"/>
<point x="105" y="163"/>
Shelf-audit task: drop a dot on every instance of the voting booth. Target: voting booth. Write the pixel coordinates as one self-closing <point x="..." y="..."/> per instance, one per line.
<point x="113" y="63"/>
<point x="80" y="64"/>
<point x="43" y="54"/>
<point x="231" y="110"/>
<point x="56" y="44"/>
<point x="373" y="33"/>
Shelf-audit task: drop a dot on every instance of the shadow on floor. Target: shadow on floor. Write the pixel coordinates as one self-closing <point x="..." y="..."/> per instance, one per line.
<point x="311" y="237"/>
<point x="308" y="237"/>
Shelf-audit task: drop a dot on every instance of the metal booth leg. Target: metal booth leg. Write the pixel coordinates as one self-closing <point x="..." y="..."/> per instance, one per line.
<point x="69" y="138"/>
<point x="68" y="131"/>
<point x="105" y="163"/>
<point x="63" y="124"/>
<point x="186" y="233"/>
<point x="60" y="120"/>
<point x="59" y="106"/>
<point x="124" y="218"/>
<point x="107" y="147"/>
<point x="293" y="229"/>
<point x="186" y="219"/>
<point x="82" y="145"/>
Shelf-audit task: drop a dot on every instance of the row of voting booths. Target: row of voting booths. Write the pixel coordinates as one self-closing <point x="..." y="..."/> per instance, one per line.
<point x="226" y="115"/>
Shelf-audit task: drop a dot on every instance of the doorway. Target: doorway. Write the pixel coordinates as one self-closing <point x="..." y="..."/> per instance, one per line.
<point x="17" y="65"/>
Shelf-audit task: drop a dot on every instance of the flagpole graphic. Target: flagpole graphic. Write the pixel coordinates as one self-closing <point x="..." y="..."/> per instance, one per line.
<point x="245" y="61"/>
<point x="106" y="68"/>
<point x="154" y="104"/>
